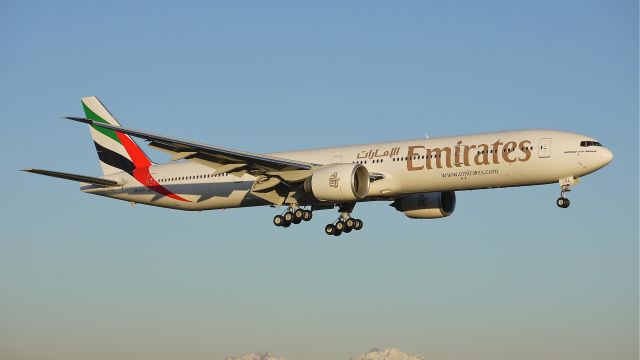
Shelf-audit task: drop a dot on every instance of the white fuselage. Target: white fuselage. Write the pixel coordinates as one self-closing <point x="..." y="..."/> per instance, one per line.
<point x="490" y="160"/>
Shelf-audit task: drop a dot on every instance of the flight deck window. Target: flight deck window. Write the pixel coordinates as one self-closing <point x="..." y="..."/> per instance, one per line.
<point x="587" y="143"/>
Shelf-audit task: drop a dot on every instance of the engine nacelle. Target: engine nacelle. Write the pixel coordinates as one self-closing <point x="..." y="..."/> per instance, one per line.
<point x="339" y="182"/>
<point x="431" y="205"/>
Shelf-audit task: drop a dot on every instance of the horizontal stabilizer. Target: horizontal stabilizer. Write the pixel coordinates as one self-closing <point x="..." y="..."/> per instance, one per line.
<point x="81" y="178"/>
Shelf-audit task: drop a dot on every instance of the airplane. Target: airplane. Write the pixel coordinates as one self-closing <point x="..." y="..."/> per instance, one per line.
<point x="418" y="177"/>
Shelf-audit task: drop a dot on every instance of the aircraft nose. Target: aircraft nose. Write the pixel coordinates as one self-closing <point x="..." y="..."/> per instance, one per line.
<point x="606" y="156"/>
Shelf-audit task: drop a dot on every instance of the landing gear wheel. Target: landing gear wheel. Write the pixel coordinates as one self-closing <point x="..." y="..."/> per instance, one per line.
<point x="278" y="220"/>
<point x="330" y="229"/>
<point x="288" y="217"/>
<point x="298" y="214"/>
<point x="340" y="226"/>
<point x="358" y="224"/>
<point x="351" y="223"/>
<point x="563" y="202"/>
<point x="308" y="214"/>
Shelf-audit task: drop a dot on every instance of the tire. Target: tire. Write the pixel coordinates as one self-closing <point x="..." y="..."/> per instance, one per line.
<point x="560" y="202"/>
<point x="278" y="220"/>
<point x="340" y="226"/>
<point x="329" y="229"/>
<point x="351" y="223"/>
<point x="337" y="233"/>
<point x="298" y="214"/>
<point x="359" y="224"/>
<point x="308" y="215"/>
<point x="288" y="217"/>
<point x="566" y="203"/>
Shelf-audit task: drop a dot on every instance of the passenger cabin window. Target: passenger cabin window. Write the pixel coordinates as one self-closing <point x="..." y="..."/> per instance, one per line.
<point x="587" y="143"/>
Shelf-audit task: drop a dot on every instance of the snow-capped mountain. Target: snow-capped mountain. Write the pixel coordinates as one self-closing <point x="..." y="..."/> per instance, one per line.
<point x="255" y="356"/>
<point x="388" y="354"/>
<point x="374" y="354"/>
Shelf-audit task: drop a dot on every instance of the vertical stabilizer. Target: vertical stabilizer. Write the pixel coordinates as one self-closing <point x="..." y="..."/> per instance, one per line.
<point x="117" y="151"/>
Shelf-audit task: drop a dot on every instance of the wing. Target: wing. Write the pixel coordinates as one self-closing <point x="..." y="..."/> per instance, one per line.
<point x="82" y="178"/>
<point x="219" y="158"/>
<point x="277" y="179"/>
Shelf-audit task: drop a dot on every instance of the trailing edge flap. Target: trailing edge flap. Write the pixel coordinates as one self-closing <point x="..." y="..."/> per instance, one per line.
<point x="67" y="176"/>
<point x="263" y="183"/>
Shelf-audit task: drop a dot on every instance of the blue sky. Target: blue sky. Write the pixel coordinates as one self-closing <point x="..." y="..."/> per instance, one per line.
<point x="509" y="275"/>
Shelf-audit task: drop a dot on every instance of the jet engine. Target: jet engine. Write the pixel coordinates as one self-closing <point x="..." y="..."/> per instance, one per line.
<point x="339" y="182"/>
<point x="431" y="205"/>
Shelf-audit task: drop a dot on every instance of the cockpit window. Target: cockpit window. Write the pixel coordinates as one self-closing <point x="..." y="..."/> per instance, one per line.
<point x="588" y="143"/>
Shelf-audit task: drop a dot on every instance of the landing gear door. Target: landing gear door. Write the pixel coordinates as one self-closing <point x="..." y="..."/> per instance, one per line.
<point x="544" y="151"/>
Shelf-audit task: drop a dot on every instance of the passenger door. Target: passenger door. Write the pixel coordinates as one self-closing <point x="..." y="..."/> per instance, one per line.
<point x="544" y="151"/>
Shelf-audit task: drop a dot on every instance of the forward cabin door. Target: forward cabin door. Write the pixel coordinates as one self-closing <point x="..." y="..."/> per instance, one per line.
<point x="544" y="151"/>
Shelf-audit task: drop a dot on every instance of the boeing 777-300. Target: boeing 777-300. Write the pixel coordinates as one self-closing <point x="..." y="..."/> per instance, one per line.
<point x="419" y="177"/>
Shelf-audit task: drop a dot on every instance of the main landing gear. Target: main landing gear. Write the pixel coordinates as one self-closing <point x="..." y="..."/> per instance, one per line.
<point x="345" y="223"/>
<point x="343" y="226"/>
<point x="292" y="216"/>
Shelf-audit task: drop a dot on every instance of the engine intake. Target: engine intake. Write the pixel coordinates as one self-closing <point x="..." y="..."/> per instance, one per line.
<point x="339" y="182"/>
<point x="431" y="205"/>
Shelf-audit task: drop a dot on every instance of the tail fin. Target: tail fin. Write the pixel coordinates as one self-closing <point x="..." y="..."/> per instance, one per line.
<point x="117" y="151"/>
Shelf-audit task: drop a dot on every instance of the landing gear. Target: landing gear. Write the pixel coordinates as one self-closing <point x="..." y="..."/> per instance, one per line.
<point x="565" y="187"/>
<point x="343" y="226"/>
<point x="293" y="215"/>
<point x="345" y="223"/>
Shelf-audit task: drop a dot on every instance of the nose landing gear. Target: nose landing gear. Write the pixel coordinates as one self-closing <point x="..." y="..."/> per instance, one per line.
<point x="565" y="187"/>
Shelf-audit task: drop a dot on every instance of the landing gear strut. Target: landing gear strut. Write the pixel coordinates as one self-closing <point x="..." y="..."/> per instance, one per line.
<point x="293" y="215"/>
